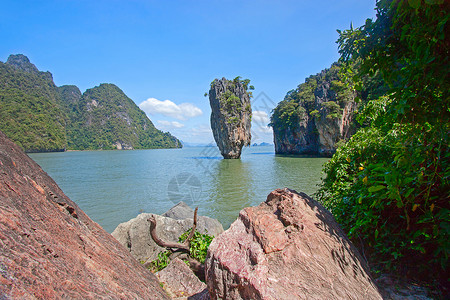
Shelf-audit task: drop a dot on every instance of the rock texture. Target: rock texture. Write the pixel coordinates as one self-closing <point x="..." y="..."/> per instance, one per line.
<point x="181" y="283"/>
<point x="289" y="247"/>
<point x="21" y="62"/>
<point x="135" y="234"/>
<point x="230" y="116"/>
<point x="180" y="211"/>
<point x="317" y="115"/>
<point x="50" y="249"/>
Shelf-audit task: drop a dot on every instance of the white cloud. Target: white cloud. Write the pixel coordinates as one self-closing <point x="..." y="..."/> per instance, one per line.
<point x="169" y="125"/>
<point x="260" y="121"/>
<point x="260" y="117"/>
<point x="202" y="130"/>
<point x="261" y="132"/>
<point x="168" y="108"/>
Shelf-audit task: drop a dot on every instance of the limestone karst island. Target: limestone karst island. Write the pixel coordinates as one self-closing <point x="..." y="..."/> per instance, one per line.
<point x="315" y="166"/>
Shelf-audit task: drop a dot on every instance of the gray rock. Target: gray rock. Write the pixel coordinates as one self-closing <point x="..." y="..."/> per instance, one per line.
<point x="179" y="211"/>
<point x="135" y="234"/>
<point x="21" y="62"/>
<point x="230" y="116"/>
<point x="395" y="288"/>
<point x="181" y="283"/>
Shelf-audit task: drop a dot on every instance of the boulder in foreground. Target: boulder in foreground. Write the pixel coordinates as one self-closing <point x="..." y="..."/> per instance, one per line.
<point x="50" y="249"/>
<point x="289" y="247"/>
<point x="181" y="283"/>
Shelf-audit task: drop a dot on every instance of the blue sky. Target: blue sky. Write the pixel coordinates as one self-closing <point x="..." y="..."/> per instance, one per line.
<point x="171" y="50"/>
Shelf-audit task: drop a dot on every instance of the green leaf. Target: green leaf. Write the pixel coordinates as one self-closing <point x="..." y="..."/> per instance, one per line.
<point x="409" y="192"/>
<point x="376" y="188"/>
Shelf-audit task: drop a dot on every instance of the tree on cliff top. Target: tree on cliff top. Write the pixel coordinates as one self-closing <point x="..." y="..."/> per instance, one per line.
<point x="389" y="185"/>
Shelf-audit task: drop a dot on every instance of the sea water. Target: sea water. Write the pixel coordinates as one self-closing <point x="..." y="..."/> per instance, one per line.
<point x="115" y="186"/>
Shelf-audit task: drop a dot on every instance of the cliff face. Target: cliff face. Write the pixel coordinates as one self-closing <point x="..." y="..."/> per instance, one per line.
<point x="50" y="249"/>
<point x="313" y="118"/>
<point x="39" y="116"/>
<point x="231" y="115"/>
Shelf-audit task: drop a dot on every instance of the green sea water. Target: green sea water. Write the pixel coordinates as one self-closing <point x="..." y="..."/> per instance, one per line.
<point x="115" y="186"/>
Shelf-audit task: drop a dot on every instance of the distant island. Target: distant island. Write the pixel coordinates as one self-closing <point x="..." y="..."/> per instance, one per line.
<point x="261" y="144"/>
<point x="42" y="117"/>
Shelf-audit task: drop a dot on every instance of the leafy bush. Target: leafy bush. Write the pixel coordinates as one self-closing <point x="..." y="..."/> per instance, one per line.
<point x="333" y="108"/>
<point x="389" y="185"/>
<point x="389" y="189"/>
<point x="198" y="250"/>
<point x="199" y="244"/>
<point x="161" y="262"/>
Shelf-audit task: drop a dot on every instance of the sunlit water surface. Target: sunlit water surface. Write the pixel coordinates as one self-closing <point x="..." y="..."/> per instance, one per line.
<point x="115" y="186"/>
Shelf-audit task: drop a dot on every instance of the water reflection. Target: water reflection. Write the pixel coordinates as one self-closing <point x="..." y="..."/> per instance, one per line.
<point x="299" y="173"/>
<point x="231" y="189"/>
<point x="114" y="186"/>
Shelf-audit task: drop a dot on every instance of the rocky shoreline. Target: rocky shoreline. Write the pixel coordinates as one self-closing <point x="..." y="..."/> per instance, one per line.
<point x="288" y="247"/>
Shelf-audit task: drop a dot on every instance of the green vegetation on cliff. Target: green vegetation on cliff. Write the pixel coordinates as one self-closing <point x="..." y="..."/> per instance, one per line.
<point x="105" y="118"/>
<point x="39" y="116"/>
<point x="389" y="185"/>
<point x="29" y="110"/>
<point x="303" y="100"/>
<point x="231" y="114"/>
<point x="230" y="103"/>
<point x="320" y="114"/>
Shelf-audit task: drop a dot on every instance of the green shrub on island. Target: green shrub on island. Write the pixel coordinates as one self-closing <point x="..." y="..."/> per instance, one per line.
<point x="161" y="262"/>
<point x="389" y="185"/>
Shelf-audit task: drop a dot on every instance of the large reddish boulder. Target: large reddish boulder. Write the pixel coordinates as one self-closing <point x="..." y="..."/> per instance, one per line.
<point x="289" y="247"/>
<point x="50" y="249"/>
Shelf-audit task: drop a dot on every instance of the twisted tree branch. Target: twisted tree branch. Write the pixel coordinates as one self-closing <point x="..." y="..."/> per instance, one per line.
<point x="184" y="246"/>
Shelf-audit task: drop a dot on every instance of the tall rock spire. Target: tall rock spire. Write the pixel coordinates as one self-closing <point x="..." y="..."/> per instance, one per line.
<point x="231" y="114"/>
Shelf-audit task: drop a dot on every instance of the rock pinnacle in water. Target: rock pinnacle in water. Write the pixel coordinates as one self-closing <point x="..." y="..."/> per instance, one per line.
<point x="231" y="115"/>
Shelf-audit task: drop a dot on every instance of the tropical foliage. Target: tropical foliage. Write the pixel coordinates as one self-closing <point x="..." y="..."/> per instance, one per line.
<point x="198" y="249"/>
<point x="199" y="244"/>
<point x="302" y="103"/>
<point x="230" y="103"/>
<point x="29" y="111"/>
<point x="39" y="116"/>
<point x="104" y="115"/>
<point x="389" y="185"/>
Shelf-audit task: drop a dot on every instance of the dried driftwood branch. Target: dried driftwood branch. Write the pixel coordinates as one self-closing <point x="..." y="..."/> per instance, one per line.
<point x="195" y="265"/>
<point x="184" y="246"/>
